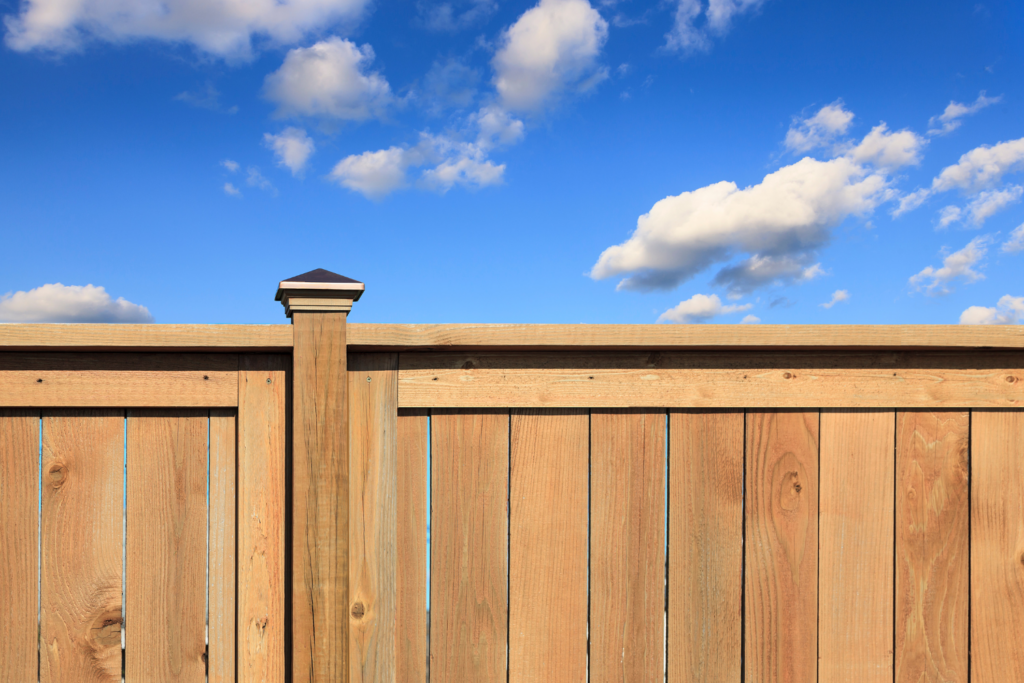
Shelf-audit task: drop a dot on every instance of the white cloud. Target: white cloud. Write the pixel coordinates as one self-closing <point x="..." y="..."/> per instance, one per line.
<point x="700" y="307"/>
<point x="949" y="215"/>
<point x="551" y="47"/>
<point x="949" y="119"/>
<point x="329" y="79"/>
<point x="59" y="303"/>
<point x="988" y="203"/>
<point x="959" y="264"/>
<point x="837" y="296"/>
<point x="231" y="166"/>
<point x="220" y="27"/>
<point x="1016" y="241"/>
<point x="820" y="130"/>
<point x="911" y="201"/>
<point x="889" y="150"/>
<point x="1008" y="311"/>
<point x="450" y="161"/>
<point x="292" y="147"/>
<point x="231" y="190"/>
<point x="374" y="174"/>
<point x="750" y="320"/>
<point x="982" y="167"/>
<point x="690" y="34"/>
<point x="780" y="223"/>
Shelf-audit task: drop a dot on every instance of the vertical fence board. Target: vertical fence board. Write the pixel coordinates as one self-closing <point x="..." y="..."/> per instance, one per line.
<point x="411" y="568"/>
<point x="19" y="545"/>
<point x="855" y="577"/>
<point x="782" y="547"/>
<point x="627" y="546"/>
<point x="319" y="481"/>
<point x="931" y="546"/>
<point x="373" y="414"/>
<point x="83" y="507"/>
<point x="262" y="386"/>
<point x="223" y="487"/>
<point x="705" y="577"/>
<point x="469" y="533"/>
<point x="165" y="576"/>
<point x="548" y="546"/>
<point x="997" y="546"/>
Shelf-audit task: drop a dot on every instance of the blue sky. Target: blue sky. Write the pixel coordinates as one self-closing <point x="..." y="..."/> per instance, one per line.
<point x="489" y="161"/>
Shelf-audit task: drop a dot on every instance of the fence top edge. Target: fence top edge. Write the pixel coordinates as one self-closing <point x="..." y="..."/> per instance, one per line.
<point x="512" y="337"/>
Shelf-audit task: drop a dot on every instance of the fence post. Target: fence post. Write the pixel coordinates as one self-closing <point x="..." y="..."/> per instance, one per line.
<point x="318" y="303"/>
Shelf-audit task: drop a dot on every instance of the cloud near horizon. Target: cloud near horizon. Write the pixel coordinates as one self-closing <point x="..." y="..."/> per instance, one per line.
<point x="779" y="224"/>
<point x="57" y="303"/>
<point x="701" y="307"/>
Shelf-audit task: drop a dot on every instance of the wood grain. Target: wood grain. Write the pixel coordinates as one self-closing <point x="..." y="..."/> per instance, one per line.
<point x="19" y="545"/>
<point x="86" y="337"/>
<point x="223" y="521"/>
<point x="549" y="337"/>
<point x="411" y="566"/>
<point x="548" y="546"/>
<point x="997" y="546"/>
<point x="931" y="546"/>
<point x="165" y="573"/>
<point x="120" y="380"/>
<point x="82" y="513"/>
<point x="855" y="556"/>
<point x="782" y="547"/>
<point x="627" y="545"/>
<point x="469" y="542"/>
<point x="262" y="387"/>
<point x="319" y="539"/>
<point x="725" y="379"/>
<point x="373" y="413"/>
<point x="705" y="576"/>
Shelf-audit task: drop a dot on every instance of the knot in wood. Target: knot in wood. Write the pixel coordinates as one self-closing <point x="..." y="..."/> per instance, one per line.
<point x="58" y="473"/>
<point x="106" y="629"/>
<point x="787" y="375"/>
<point x="1011" y="379"/>
<point x="790" y="493"/>
<point x="358" y="610"/>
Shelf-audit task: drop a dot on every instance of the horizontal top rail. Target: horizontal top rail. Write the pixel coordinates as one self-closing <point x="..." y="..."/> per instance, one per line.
<point x="388" y="337"/>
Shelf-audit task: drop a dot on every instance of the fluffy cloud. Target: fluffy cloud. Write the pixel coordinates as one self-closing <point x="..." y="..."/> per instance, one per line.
<point x="988" y="203"/>
<point x="889" y="150"/>
<point x="551" y="47"/>
<point x="819" y="130"/>
<point x="1016" y="241"/>
<point x="959" y="264"/>
<point x="750" y="320"/>
<point x="779" y="224"/>
<point x="1008" y="311"/>
<point x="231" y="190"/>
<point x="696" y="23"/>
<point x="949" y="215"/>
<point x="292" y="147"/>
<point x="329" y="79"/>
<point x="982" y="167"/>
<point x="59" y="303"/>
<point x="700" y="307"/>
<point x="837" y="296"/>
<point x="449" y="160"/>
<point x="949" y="120"/>
<point x="220" y="27"/>
<point x="230" y="165"/>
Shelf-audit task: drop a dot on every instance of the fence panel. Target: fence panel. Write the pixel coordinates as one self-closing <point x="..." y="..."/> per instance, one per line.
<point x="223" y="537"/>
<point x="548" y="546"/>
<point x="782" y="547"/>
<point x="932" y="546"/>
<point x="997" y="546"/>
<point x="469" y="567"/>
<point x="627" y="545"/>
<point x="83" y="499"/>
<point x="855" y="582"/>
<point x="411" y="534"/>
<point x="19" y="544"/>
<point x="705" y="546"/>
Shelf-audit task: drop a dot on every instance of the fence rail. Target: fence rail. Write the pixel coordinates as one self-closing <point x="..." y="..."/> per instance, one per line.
<point x="612" y="503"/>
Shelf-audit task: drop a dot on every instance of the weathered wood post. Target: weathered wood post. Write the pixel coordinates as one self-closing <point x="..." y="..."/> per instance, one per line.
<point x="318" y="303"/>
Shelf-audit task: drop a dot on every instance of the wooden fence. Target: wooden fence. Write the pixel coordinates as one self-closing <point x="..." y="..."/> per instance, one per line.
<point x="605" y="503"/>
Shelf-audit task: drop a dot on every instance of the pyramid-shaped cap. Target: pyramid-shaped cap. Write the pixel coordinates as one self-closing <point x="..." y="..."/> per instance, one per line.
<point x="322" y="281"/>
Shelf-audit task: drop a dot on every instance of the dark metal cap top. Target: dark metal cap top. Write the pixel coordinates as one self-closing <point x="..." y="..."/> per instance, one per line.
<point x="320" y="279"/>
